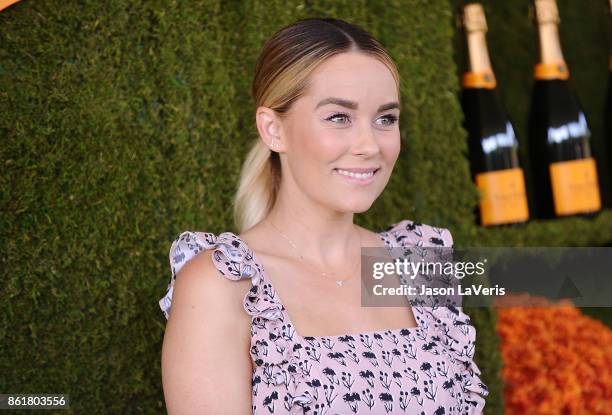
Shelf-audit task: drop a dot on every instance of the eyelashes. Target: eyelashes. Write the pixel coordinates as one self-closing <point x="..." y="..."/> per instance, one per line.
<point x="392" y="119"/>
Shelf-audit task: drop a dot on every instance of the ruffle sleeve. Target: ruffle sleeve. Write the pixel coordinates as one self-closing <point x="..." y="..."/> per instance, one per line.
<point x="448" y="323"/>
<point x="408" y="233"/>
<point x="458" y="336"/>
<point x="230" y="256"/>
<point x="184" y="247"/>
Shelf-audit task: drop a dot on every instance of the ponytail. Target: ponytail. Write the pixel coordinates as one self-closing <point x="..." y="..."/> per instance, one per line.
<point x="258" y="186"/>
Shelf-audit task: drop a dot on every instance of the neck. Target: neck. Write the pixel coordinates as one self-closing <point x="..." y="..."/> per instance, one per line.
<point x="547" y="17"/>
<point x="479" y="55"/>
<point x="323" y="235"/>
<point x="550" y="47"/>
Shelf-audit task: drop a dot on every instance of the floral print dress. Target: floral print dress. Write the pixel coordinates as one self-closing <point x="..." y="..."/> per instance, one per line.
<point x="423" y="370"/>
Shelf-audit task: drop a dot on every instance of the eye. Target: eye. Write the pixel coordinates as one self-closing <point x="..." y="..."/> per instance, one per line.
<point x="390" y="118"/>
<point x="338" y="115"/>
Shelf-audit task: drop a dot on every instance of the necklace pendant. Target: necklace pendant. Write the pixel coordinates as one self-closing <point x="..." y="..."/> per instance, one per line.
<point x="340" y="282"/>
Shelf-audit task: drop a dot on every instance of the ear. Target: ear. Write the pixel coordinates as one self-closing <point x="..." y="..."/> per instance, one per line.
<point x="269" y="126"/>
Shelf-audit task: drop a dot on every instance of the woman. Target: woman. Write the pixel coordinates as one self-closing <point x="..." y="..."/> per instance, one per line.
<point x="292" y="337"/>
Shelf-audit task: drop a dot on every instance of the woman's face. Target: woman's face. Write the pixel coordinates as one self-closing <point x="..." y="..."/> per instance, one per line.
<point x="341" y="139"/>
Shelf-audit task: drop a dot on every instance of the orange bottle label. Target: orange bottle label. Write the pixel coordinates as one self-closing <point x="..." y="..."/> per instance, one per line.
<point x="502" y="196"/>
<point x="575" y="186"/>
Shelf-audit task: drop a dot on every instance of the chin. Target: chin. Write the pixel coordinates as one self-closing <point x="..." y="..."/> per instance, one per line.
<point x="355" y="206"/>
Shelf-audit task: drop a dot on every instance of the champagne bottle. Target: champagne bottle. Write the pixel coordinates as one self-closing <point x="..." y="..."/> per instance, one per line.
<point x="493" y="147"/>
<point x="563" y="166"/>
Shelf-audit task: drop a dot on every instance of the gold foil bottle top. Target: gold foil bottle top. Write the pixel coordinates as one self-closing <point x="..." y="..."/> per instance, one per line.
<point x="474" y="18"/>
<point x="547" y="11"/>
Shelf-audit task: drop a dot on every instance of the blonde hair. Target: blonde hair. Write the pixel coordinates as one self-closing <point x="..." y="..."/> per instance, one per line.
<point x="281" y="77"/>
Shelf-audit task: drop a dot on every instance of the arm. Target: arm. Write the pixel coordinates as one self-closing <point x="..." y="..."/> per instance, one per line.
<point x="206" y="364"/>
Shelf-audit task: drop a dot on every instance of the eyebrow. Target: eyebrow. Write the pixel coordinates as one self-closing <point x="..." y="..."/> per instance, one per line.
<point x="353" y="105"/>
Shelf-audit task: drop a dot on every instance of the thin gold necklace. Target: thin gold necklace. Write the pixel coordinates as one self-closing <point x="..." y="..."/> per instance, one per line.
<point x="340" y="283"/>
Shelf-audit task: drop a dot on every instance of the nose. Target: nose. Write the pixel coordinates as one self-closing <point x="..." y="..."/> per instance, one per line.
<point x="366" y="143"/>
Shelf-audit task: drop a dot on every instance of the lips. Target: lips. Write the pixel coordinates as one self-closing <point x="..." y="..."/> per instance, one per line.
<point x="358" y="169"/>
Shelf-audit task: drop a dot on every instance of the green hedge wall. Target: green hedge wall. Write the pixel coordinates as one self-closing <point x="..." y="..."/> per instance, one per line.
<point x="126" y="122"/>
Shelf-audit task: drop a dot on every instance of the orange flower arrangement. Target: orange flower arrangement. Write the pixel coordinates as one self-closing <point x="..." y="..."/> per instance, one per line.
<point x="557" y="361"/>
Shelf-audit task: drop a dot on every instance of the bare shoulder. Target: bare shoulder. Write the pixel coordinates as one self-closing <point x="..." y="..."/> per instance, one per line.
<point x="207" y="333"/>
<point x="202" y="293"/>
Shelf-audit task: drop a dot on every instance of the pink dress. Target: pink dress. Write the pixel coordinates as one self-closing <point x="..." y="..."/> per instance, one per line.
<point x="428" y="369"/>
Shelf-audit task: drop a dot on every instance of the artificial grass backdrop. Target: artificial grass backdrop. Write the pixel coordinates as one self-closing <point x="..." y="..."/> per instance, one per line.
<point x="126" y="122"/>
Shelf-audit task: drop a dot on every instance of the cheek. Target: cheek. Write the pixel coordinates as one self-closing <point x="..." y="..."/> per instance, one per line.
<point x="390" y="148"/>
<point x="323" y="147"/>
